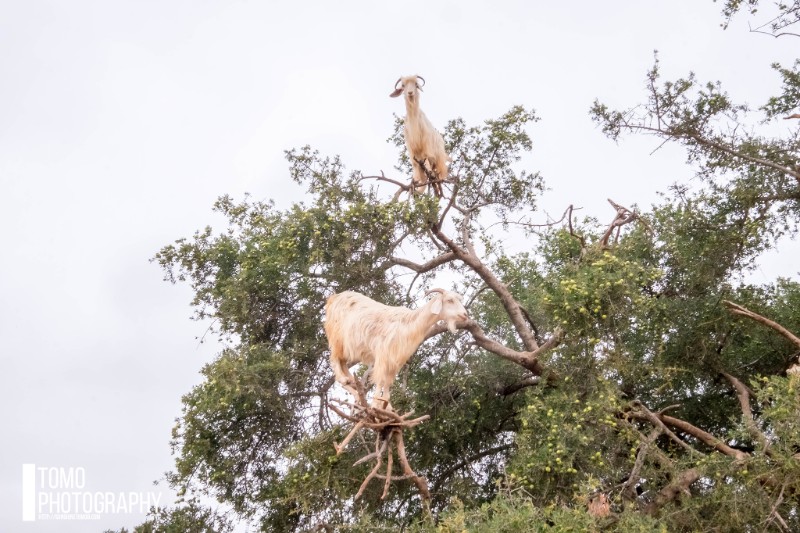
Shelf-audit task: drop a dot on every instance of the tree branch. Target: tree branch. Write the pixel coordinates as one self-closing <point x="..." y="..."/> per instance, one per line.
<point x="469" y="460"/>
<point x="514" y="387"/>
<point x="744" y="393"/>
<point x="624" y="216"/>
<point x="511" y="306"/>
<point x="420" y="269"/>
<point x="672" y="491"/>
<point x="765" y="162"/>
<point x="656" y="419"/>
<point x="628" y="489"/>
<point x="743" y="311"/>
<point x="528" y="359"/>
<point x="383" y="177"/>
<point x="662" y="420"/>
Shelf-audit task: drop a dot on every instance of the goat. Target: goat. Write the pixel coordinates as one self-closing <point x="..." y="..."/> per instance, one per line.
<point x="361" y="330"/>
<point x="424" y="143"/>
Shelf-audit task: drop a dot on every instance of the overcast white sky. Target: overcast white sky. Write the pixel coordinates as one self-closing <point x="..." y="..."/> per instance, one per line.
<point x="122" y="122"/>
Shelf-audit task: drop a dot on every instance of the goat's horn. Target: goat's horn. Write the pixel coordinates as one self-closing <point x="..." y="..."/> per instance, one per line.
<point x="440" y="291"/>
<point x="423" y="81"/>
<point x="397" y="83"/>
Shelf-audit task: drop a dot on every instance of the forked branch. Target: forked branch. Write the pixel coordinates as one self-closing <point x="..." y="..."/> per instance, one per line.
<point x="624" y="216"/>
<point x="664" y="422"/>
<point x="526" y="359"/>
<point x="388" y="427"/>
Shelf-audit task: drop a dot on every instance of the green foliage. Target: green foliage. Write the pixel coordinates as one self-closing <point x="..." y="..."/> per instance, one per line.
<point x="782" y="15"/>
<point x="513" y="512"/>
<point x="188" y="518"/>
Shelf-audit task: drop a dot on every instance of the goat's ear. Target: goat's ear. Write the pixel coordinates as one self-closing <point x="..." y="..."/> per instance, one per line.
<point x="397" y="92"/>
<point x="436" y="308"/>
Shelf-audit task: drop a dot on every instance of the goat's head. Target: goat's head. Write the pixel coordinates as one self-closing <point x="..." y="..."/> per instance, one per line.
<point x="447" y="306"/>
<point x="410" y="85"/>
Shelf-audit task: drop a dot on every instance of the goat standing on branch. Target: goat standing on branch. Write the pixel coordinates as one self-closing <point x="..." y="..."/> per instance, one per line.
<point x="425" y="144"/>
<point x="361" y="330"/>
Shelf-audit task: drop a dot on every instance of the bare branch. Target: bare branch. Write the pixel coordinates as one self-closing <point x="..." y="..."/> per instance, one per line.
<point x="646" y="414"/>
<point x="378" y="454"/>
<point x="624" y="216"/>
<point x="450" y="204"/>
<point x="383" y="177"/>
<point x="528" y="359"/>
<point x="628" y="489"/>
<point x="465" y="234"/>
<point x="569" y="210"/>
<point x="420" y="269"/>
<point x="743" y="311"/>
<point x="511" y="305"/>
<point x="388" y="427"/>
<point x="744" y="393"/>
<point x="572" y="233"/>
<point x="662" y="421"/>
<point x="774" y="515"/>
<point x="672" y="491"/>
<point x="776" y="35"/>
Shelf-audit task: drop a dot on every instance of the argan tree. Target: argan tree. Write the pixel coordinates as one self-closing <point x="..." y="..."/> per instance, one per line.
<point x="620" y="373"/>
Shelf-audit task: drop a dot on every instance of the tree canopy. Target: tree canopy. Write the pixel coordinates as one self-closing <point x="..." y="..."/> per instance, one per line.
<point x="619" y="374"/>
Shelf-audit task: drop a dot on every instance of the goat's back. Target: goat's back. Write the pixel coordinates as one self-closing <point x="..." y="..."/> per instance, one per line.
<point x="365" y="327"/>
<point x="344" y="306"/>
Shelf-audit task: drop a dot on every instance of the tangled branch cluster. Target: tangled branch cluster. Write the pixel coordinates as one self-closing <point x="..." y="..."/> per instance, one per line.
<point x="388" y="427"/>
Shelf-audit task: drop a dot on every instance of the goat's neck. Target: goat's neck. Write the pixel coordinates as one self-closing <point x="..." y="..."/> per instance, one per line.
<point x="412" y="108"/>
<point x="423" y="320"/>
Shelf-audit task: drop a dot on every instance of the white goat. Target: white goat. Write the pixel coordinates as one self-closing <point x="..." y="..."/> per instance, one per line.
<point x="361" y="330"/>
<point x="424" y="143"/>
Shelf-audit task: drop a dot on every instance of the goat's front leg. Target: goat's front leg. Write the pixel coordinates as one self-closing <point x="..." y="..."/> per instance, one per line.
<point x="419" y="179"/>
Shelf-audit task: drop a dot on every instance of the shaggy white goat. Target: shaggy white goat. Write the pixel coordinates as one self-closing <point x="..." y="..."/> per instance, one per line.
<point x="424" y="143"/>
<point x="361" y="330"/>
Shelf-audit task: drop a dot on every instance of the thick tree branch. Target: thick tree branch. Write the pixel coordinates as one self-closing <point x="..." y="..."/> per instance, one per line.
<point x="528" y="359"/>
<point x="661" y="420"/>
<point x="743" y="393"/>
<point x="424" y="267"/>
<point x="629" y="488"/>
<point x="646" y="414"/>
<point x="743" y="311"/>
<point x="704" y="436"/>
<point x="519" y="385"/>
<point x="672" y="491"/>
<point x="511" y="305"/>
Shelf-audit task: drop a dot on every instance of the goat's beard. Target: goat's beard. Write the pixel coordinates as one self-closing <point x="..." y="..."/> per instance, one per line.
<point x="451" y="325"/>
